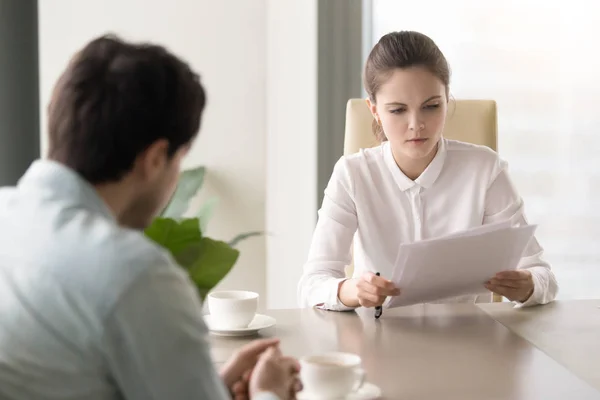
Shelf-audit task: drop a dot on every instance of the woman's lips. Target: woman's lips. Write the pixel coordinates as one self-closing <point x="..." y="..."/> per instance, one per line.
<point x="417" y="141"/>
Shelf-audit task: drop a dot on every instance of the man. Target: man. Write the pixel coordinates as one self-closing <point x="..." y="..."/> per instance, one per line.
<point x="89" y="308"/>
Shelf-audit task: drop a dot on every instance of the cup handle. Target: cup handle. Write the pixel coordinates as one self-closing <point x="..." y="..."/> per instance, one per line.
<point x="360" y="373"/>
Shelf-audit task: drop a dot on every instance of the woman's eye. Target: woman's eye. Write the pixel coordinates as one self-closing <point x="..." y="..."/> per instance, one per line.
<point x="432" y="106"/>
<point x="397" y="111"/>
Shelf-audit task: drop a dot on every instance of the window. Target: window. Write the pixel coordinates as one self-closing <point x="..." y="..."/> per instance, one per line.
<point x="540" y="65"/>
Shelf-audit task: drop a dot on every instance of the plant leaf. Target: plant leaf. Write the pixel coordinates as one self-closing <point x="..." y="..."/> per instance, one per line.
<point x="243" y="236"/>
<point x="190" y="182"/>
<point x="215" y="260"/>
<point x="206" y="212"/>
<point x="189" y="255"/>
<point x="207" y="261"/>
<point x="175" y="236"/>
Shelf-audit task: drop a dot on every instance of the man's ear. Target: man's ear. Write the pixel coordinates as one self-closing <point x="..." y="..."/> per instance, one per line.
<point x="152" y="160"/>
<point x="373" y="109"/>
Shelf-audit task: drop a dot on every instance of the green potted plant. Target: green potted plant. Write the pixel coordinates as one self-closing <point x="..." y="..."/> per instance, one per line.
<point x="206" y="260"/>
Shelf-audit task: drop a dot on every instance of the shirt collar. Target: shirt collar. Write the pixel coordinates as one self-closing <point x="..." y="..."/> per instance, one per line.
<point x="427" y="178"/>
<point x="64" y="183"/>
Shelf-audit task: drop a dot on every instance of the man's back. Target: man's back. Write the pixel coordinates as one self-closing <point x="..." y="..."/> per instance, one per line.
<point x="82" y="300"/>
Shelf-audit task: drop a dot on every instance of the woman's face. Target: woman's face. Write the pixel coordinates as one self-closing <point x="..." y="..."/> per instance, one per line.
<point x="411" y="107"/>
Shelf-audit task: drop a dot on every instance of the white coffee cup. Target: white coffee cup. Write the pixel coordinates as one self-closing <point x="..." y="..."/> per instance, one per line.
<point x="331" y="374"/>
<point x="232" y="309"/>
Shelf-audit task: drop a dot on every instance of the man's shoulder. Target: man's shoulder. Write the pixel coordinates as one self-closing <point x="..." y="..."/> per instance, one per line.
<point x="131" y="249"/>
<point x="95" y="258"/>
<point x="118" y="257"/>
<point x="87" y="254"/>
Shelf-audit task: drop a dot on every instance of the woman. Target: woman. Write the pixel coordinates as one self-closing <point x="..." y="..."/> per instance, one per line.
<point x="415" y="185"/>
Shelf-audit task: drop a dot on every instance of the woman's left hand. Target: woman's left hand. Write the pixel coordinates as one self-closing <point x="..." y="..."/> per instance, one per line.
<point x="516" y="285"/>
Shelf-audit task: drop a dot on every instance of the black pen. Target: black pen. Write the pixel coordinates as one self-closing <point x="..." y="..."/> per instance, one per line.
<point x="378" y="309"/>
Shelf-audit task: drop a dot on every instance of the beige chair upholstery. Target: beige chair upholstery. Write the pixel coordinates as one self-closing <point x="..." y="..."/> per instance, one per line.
<point x="473" y="121"/>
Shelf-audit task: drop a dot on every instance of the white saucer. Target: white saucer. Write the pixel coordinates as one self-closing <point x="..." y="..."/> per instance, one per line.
<point x="259" y="322"/>
<point x="368" y="391"/>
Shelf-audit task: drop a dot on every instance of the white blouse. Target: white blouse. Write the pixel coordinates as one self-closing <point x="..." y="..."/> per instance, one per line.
<point x="369" y="200"/>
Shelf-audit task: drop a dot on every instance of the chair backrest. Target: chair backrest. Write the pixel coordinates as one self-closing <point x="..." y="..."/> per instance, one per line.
<point x="472" y="121"/>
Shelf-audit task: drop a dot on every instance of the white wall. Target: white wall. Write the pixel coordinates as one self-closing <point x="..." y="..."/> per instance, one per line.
<point x="258" y="61"/>
<point x="291" y="143"/>
<point x="225" y="41"/>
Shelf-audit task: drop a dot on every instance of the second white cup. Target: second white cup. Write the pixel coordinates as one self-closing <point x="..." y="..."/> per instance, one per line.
<point x="332" y="375"/>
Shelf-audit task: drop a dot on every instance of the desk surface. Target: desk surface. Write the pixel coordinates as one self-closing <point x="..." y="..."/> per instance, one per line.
<point x="567" y="331"/>
<point x="454" y="351"/>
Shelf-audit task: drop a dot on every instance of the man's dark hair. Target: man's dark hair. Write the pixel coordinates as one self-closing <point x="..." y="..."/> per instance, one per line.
<point x="114" y="100"/>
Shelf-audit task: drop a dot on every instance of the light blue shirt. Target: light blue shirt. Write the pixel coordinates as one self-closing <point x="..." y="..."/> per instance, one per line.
<point x="91" y="310"/>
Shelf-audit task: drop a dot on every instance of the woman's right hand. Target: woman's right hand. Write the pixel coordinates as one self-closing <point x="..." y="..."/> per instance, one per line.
<point x="369" y="290"/>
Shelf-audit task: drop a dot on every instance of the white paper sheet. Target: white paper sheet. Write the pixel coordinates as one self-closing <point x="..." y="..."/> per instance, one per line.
<point x="404" y="250"/>
<point x="458" y="264"/>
